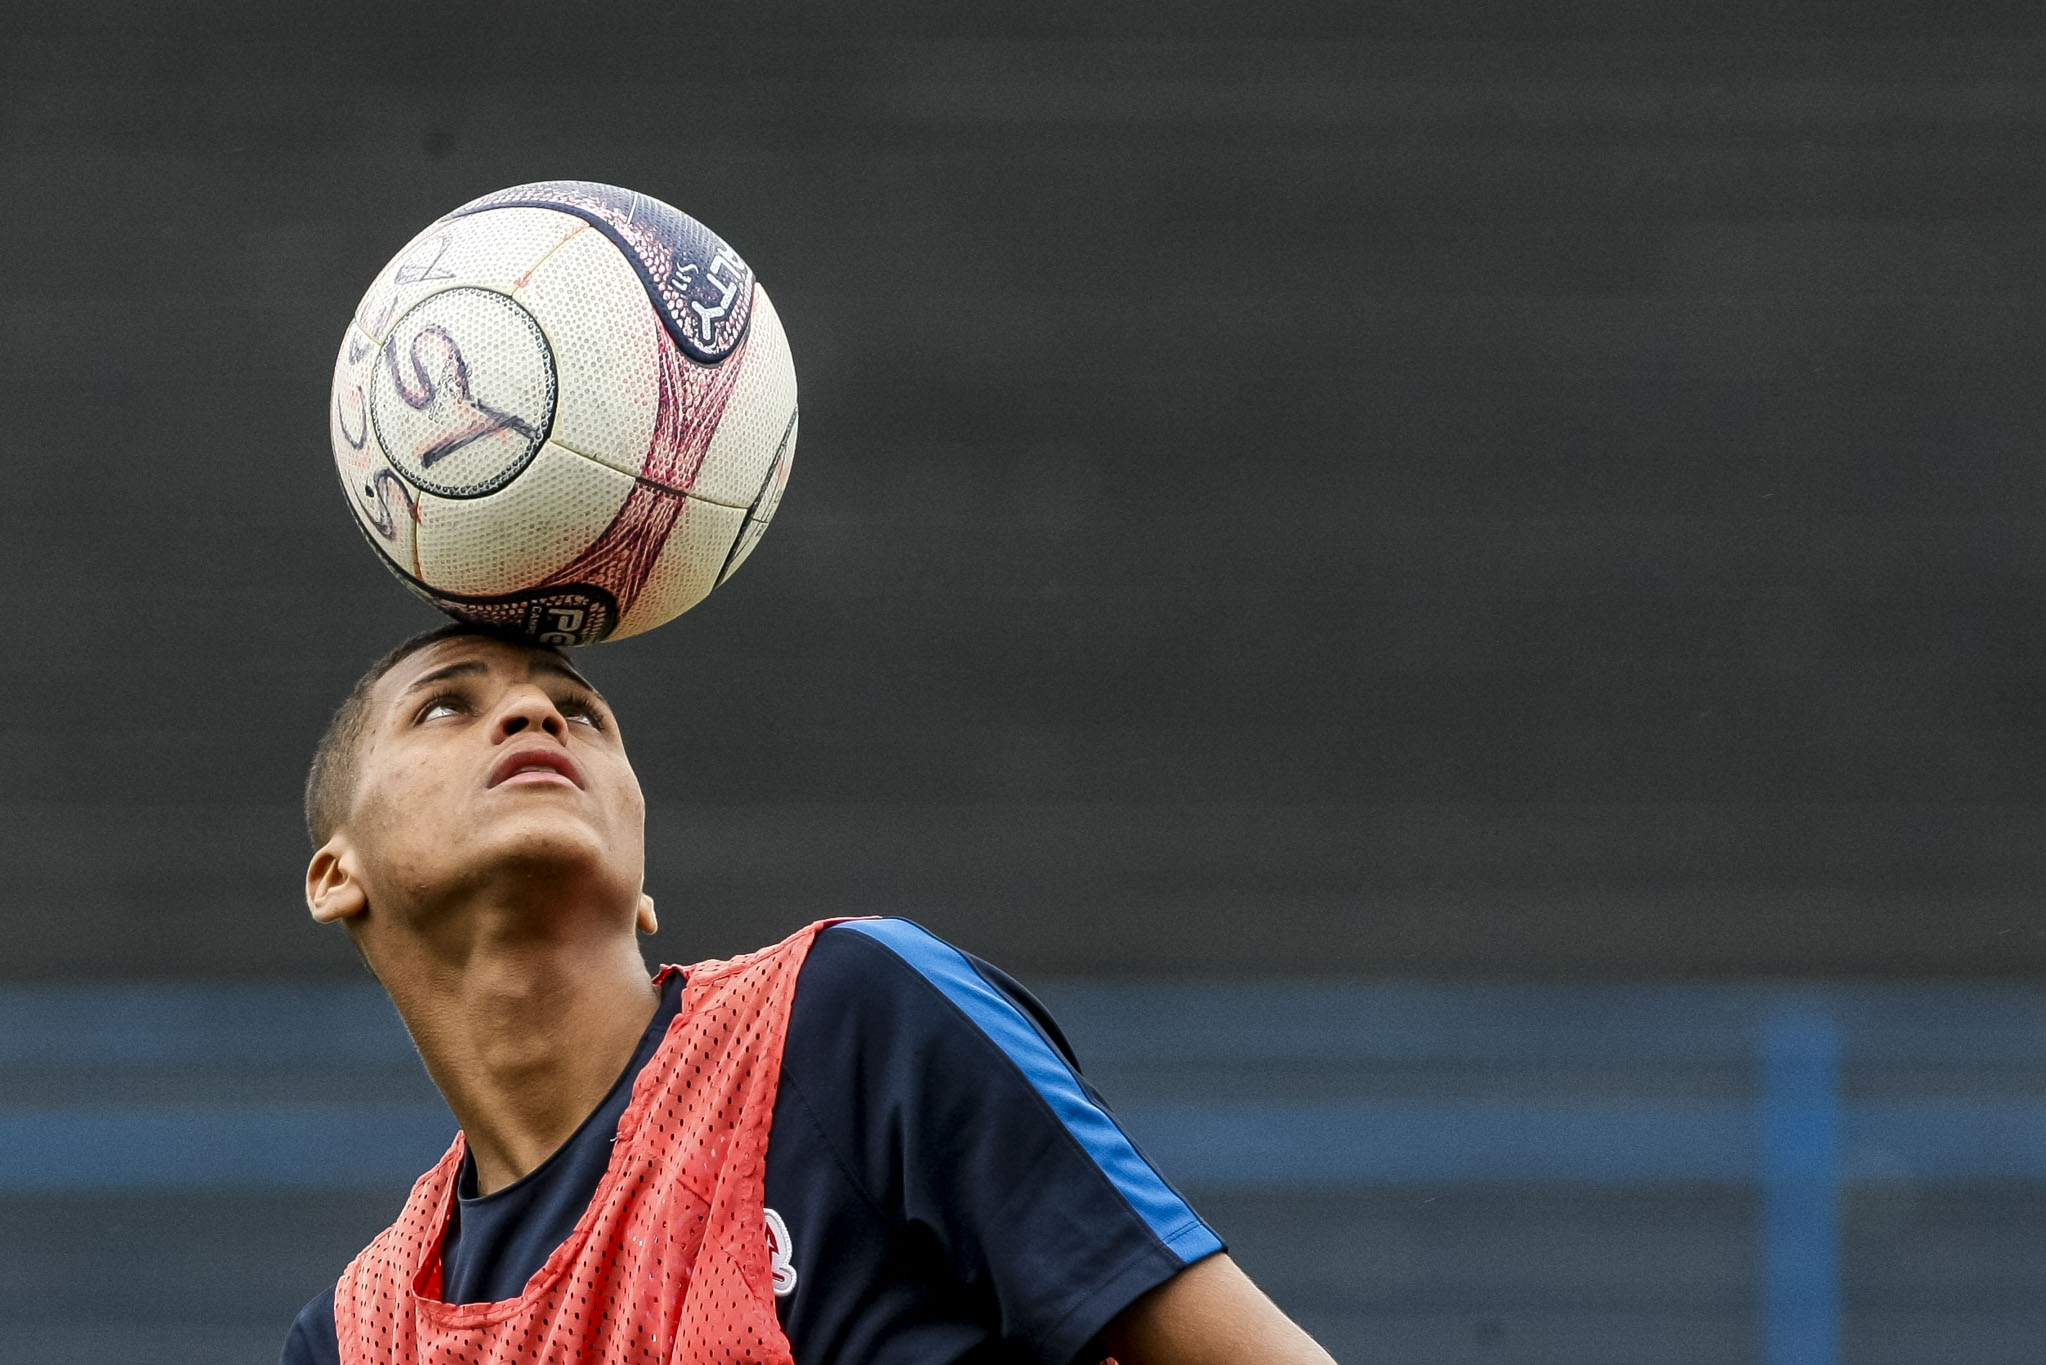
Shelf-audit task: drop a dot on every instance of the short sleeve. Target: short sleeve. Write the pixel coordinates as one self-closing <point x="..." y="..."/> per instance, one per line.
<point x="313" y="1340"/>
<point x="950" y="1100"/>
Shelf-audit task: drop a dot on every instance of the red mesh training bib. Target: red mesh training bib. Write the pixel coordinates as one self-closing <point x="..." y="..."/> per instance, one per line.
<point x="669" y="1262"/>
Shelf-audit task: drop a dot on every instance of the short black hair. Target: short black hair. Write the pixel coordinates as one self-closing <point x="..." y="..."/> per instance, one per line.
<point x="330" y="782"/>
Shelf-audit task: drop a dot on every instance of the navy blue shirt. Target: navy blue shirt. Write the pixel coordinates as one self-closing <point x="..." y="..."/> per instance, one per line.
<point x="951" y="1189"/>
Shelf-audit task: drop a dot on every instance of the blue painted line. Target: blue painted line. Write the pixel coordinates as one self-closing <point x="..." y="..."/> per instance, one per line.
<point x="1168" y="1215"/>
<point x="167" y="1025"/>
<point x="1956" y="1141"/>
<point x="1136" y="1022"/>
<point x="1469" y="1024"/>
<point x="1186" y="1030"/>
<point x="1801" y="1131"/>
<point x="321" y="1146"/>
<point x="1364" y="1144"/>
<point x="300" y="1147"/>
<point x="1644" y="1144"/>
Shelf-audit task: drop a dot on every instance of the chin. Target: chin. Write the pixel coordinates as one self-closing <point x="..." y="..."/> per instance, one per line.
<point x="541" y="843"/>
<point x="545" y="845"/>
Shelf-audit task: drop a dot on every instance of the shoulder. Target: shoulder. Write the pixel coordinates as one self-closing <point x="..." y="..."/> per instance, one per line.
<point x="313" y="1340"/>
<point x="940" y="1088"/>
<point x="893" y="976"/>
<point x="921" y="1052"/>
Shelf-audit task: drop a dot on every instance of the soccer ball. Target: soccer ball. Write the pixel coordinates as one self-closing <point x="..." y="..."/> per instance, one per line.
<point x="566" y="411"/>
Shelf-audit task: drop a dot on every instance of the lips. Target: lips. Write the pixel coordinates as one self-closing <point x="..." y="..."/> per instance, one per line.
<point x="533" y="764"/>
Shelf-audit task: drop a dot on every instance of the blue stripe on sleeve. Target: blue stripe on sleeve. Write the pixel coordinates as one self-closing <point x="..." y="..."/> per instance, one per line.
<point x="946" y="967"/>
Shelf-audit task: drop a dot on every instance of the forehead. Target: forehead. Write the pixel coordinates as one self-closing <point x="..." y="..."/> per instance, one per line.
<point x="471" y="657"/>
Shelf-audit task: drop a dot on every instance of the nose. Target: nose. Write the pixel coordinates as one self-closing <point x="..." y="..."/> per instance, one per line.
<point x="524" y="710"/>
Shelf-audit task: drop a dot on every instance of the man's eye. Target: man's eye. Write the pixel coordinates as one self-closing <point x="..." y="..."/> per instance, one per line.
<point x="582" y="712"/>
<point x="440" y="706"/>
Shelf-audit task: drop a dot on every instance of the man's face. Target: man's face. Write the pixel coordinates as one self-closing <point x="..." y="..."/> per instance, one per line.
<point x="481" y="759"/>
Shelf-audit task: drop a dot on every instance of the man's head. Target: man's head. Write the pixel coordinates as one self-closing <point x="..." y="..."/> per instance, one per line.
<point x="464" y="764"/>
<point x="330" y="782"/>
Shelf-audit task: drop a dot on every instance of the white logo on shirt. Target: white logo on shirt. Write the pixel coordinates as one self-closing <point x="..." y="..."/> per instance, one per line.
<point x="780" y="1255"/>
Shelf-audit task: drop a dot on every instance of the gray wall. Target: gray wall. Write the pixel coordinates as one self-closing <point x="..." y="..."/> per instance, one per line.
<point x="1317" y="492"/>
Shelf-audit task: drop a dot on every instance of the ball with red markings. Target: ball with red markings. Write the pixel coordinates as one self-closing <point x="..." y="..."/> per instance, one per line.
<point x="565" y="410"/>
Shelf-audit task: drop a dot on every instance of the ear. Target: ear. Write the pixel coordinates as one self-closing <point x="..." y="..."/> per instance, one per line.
<point x="648" y="923"/>
<point x="333" y="888"/>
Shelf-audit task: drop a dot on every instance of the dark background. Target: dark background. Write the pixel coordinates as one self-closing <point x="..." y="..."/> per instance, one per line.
<point x="1392" y="489"/>
<point x="1315" y="495"/>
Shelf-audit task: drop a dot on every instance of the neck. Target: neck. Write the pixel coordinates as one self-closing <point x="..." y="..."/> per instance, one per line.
<point x="523" y="1034"/>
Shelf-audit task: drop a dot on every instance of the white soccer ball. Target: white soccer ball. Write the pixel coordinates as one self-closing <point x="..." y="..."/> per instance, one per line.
<point x="565" y="410"/>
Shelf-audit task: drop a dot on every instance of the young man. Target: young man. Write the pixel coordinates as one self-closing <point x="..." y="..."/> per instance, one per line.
<point x="859" y="1146"/>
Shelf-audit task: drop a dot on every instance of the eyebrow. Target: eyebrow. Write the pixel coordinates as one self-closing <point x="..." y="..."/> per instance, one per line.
<point x="443" y="673"/>
<point x="463" y="667"/>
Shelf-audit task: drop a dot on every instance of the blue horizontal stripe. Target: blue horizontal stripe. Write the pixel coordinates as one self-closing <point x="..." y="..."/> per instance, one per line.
<point x="141" y="1024"/>
<point x="945" y="967"/>
<point x="1947" y="1141"/>
<point x="320" y="1146"/>
<point x="1470" y="1024"/>
<point x="296" y="1146"/>
<point x="1641" y="1144"/>
<point x="51" y="1037"/>
<point x="1346" y="1144"/>
<point x="158" y="1025"/>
